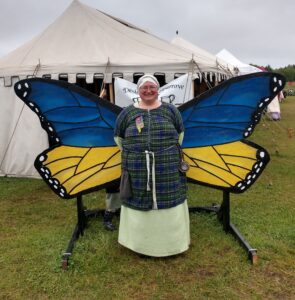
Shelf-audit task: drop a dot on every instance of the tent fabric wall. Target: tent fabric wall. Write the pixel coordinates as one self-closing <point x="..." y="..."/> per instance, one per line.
<point x="21" y="137"/>
<point x="83" y="41"/>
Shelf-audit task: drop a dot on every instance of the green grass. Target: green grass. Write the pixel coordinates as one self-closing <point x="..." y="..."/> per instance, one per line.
<point x="35" y="227"/>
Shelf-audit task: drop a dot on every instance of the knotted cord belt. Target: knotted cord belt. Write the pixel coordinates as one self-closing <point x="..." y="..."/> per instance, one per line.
<point x="148" y="156"/>
<point x="148" y="188"/>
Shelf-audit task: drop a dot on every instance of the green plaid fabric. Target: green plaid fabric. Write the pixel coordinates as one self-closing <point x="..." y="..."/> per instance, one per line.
<point x="154" y="130"/>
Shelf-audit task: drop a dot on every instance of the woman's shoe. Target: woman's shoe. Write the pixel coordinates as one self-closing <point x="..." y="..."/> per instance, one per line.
<point x="107" y="221"/>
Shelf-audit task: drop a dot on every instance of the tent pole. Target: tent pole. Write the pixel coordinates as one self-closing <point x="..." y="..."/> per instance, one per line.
<point x="111" y="92"/>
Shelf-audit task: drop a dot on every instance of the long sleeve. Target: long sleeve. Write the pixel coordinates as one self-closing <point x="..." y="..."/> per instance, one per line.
<point x="180" y="138"/>
<point x="118" y="141"/>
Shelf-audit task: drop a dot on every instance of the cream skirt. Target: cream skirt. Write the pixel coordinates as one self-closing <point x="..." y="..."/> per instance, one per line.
<point x="158" y="233"/>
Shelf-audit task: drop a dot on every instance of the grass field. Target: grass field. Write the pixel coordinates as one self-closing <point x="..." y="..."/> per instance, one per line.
<point x="35" y="227"/>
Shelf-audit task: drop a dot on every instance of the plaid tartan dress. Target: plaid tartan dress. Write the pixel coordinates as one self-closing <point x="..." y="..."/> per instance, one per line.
<point x="156" y="131"/>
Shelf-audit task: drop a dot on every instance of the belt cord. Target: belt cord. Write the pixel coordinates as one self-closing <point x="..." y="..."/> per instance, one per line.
<point x="147" y="158"/>
<point x="148" y="188"/>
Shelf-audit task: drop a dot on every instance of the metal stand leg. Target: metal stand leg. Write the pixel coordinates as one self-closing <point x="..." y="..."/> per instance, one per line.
<point x="82" y="215"/>
<point x="223" y="214"/>
<point x="78" y="230"/>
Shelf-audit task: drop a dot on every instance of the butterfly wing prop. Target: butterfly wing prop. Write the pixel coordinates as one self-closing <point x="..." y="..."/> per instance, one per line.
<point x="83" y="156"/>
<point x="216" y="126"/>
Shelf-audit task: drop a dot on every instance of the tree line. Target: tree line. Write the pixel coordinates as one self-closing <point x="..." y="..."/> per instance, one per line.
<point x="288" y="71"/>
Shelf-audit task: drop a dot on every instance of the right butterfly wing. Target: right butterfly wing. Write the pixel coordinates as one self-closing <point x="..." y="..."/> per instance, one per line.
<point x="72" y="171"/>
<point x="83" y="156"/>
<point x="69" y="114"/>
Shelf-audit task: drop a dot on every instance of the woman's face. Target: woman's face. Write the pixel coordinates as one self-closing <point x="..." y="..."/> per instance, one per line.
<point x="148" y="92"/>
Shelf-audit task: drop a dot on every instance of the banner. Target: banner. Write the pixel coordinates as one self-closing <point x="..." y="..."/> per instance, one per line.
<point x="125" y="92"/>
<point x="177" y="91"/>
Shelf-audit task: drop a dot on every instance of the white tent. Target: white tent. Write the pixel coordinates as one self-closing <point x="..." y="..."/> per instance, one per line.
<point x="82" y="41"/>
<point x="200" y="54"/>
<point x="86" y="40"/>
<point x="241" y="68"/>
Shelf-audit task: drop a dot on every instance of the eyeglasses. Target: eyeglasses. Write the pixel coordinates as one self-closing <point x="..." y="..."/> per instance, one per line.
<point x="151" y="88"/>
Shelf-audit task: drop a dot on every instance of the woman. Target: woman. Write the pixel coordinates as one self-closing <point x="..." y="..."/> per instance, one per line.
<point x="154" y="216"/>
<point x="112" y="201"/>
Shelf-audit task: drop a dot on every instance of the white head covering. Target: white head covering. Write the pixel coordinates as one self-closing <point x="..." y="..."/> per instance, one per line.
<point x="147" y="77"/>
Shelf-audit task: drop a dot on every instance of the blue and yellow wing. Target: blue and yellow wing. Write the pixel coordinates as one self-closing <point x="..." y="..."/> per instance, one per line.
<point x="83" y="156"/>
<point x="216" y="126"/>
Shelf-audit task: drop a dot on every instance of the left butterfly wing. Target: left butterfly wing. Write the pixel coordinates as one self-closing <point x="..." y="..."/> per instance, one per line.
<point x="233" y="167"/>
<point x="230" y="111"/>
<point x="216" y="125"/>
<point x="83" y="155"/>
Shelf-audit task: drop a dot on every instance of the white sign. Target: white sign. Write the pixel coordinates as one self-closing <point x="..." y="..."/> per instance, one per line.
<point x="177" y="91"/>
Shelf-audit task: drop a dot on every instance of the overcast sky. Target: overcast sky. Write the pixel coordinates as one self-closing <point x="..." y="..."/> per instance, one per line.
<point x="255" y="31"/>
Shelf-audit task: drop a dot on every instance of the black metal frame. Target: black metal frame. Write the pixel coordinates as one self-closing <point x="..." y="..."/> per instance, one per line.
<point x="222" y="211"/>
<point x="223" y="215"/>
<point x="82" y="214"/>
